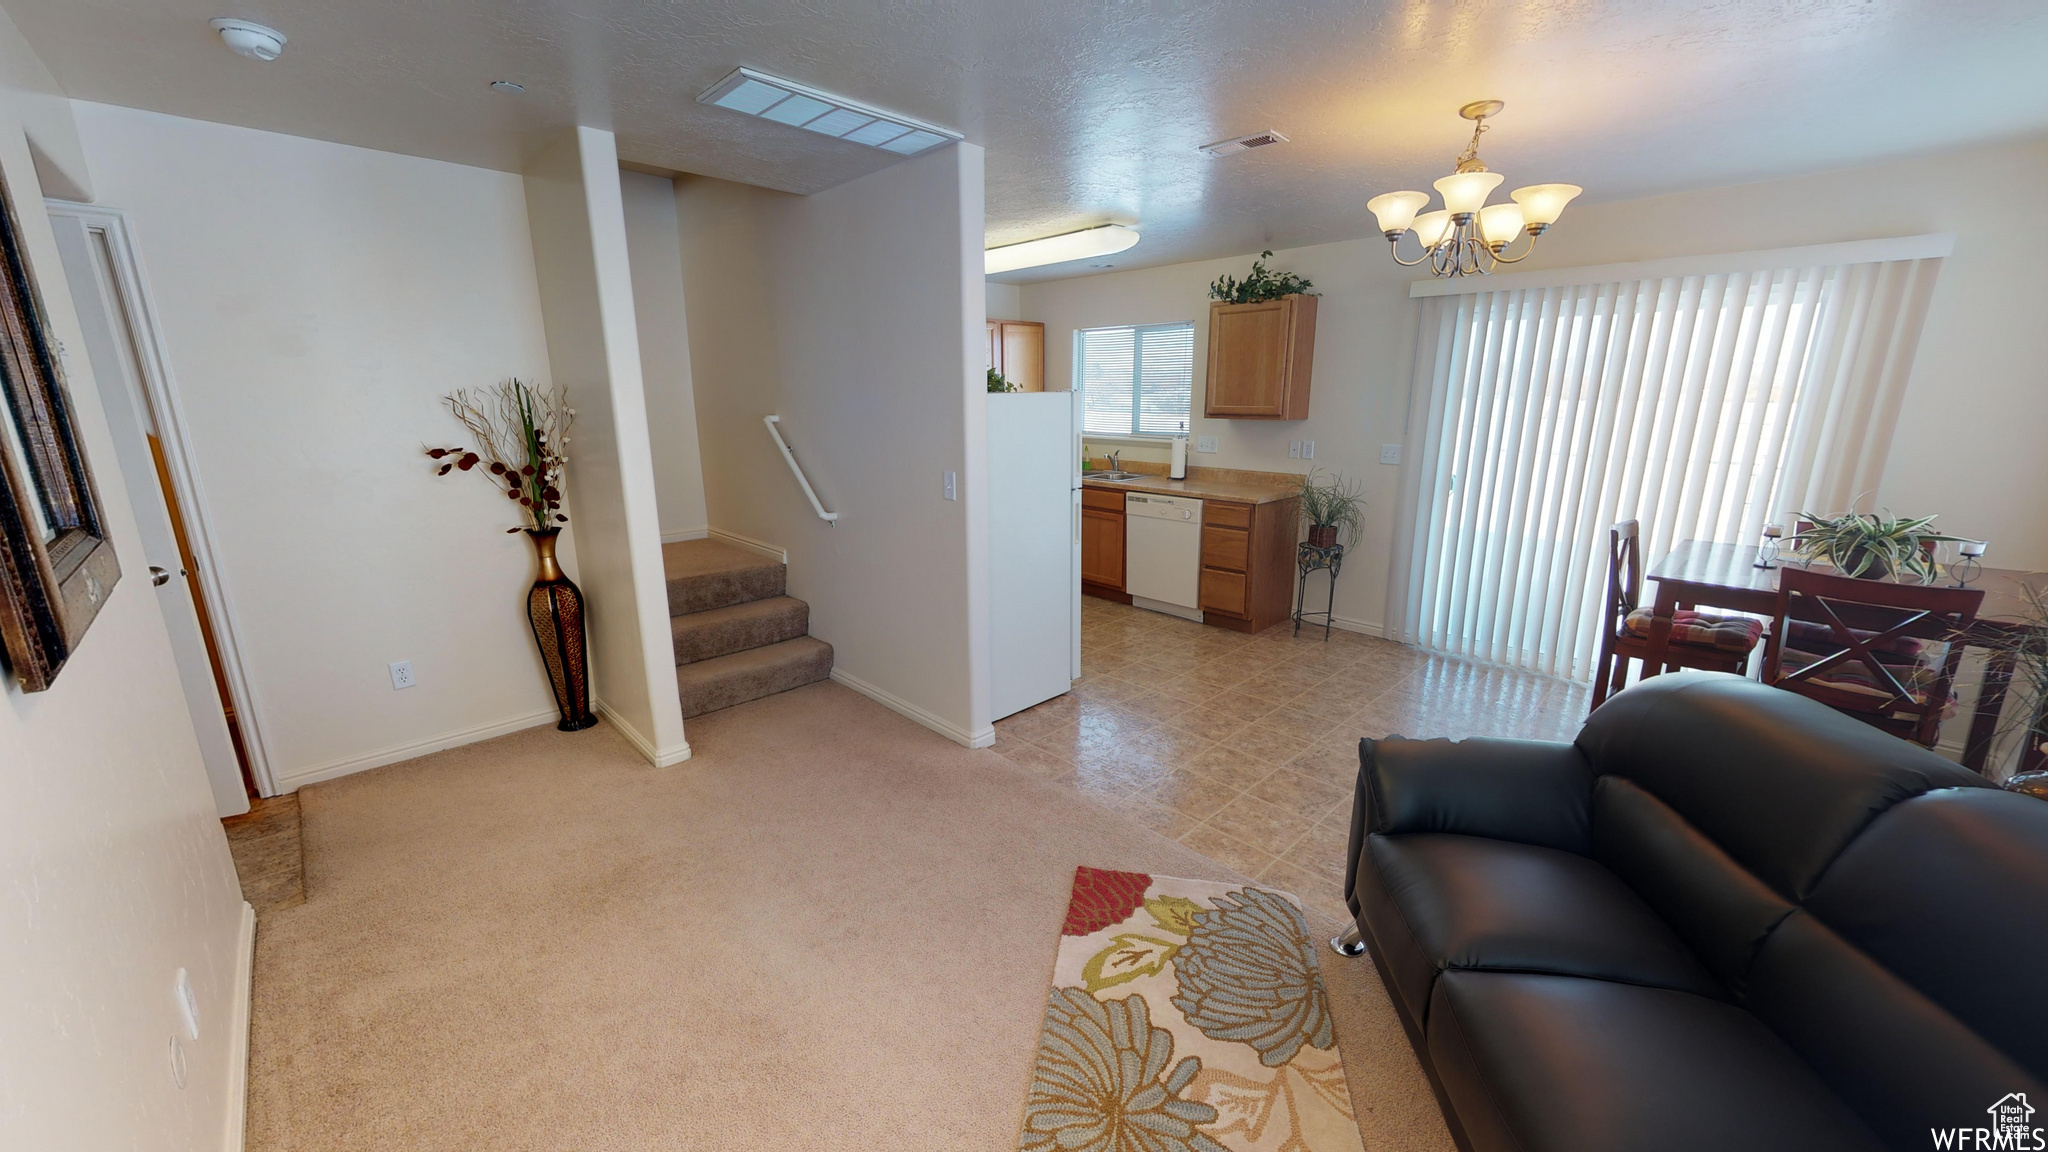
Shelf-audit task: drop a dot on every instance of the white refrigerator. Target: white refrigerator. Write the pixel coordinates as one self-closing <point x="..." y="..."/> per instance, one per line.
<point x="1034" y="550"/>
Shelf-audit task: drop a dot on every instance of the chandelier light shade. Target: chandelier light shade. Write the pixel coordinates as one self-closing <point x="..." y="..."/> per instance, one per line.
<point x="1468" y="236"/>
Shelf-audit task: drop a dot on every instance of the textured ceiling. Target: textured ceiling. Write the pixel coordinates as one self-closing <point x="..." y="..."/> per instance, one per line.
<point x="1091" y="109"/>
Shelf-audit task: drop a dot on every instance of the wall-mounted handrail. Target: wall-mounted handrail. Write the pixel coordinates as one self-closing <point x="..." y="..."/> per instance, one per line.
<point x="798" y="472"/>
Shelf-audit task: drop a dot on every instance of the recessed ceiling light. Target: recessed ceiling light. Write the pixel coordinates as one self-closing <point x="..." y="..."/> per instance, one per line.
<point x="507" y="86"/>
<point x="1102" y="241"/>
<point x="250" y="39"/>
<point x="788" y="102"/>
<point x="1243" y="143"/>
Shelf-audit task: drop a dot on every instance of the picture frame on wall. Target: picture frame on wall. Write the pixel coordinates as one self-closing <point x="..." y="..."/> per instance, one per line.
<point x="57" y="565"/>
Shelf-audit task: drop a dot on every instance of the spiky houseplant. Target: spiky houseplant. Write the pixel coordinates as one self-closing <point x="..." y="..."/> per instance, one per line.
<point x="1330" y="509"/>
<point x="2025" y="643"/>
<point x="1867" y="544"/>
<point x="1260" y="285"/>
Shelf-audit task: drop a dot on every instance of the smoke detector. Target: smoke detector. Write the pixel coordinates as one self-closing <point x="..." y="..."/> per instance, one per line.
<point x="246" y="38"/>
<point x="1245" y="143"/>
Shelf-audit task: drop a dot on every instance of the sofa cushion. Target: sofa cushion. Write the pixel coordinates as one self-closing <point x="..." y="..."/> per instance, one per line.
<point x="1469" y="902"/>
<point x="1536" y="1063"/>
<point x="1780" y="782"/>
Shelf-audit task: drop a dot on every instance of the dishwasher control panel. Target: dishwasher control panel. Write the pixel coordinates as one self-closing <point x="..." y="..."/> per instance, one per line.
<point x="1163" y="507"/>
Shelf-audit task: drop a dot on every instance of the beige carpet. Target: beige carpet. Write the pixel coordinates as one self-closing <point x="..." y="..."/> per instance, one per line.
<point x="830" y="929"/>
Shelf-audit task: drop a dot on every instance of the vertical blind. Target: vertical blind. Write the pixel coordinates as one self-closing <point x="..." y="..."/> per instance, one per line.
<point x="1704" y="406"/>
<point x="1137" y="380"/>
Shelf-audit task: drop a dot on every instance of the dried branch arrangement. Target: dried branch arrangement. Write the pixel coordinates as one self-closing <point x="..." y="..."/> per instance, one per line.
<point x="521" y="435"/>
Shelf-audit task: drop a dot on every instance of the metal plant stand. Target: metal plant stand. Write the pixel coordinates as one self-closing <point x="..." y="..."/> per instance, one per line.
<point x="1309" y="558"/>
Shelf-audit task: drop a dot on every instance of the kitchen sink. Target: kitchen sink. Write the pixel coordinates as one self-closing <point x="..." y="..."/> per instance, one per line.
<point x="1114" y="476"/>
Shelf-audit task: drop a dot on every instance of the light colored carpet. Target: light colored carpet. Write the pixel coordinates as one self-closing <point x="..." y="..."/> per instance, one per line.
<point x="830" y="929"/>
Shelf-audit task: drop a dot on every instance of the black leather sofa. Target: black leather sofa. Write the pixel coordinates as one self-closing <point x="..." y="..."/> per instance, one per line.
<point x="1724" y="918"/>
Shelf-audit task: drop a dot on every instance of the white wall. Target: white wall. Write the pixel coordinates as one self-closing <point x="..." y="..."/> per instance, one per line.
<point x="1968" y="447"/>
<point x="317" y="301"/>
<point x="1004" y="301"/>
<point x="112" y="862"/>
<point x="654" y="244"/>
<point x="856" y="313"/>
<point x="586" y="289"/>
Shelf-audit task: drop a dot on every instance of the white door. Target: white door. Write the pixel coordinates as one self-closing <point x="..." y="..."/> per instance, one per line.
<point x="103" y="314"/>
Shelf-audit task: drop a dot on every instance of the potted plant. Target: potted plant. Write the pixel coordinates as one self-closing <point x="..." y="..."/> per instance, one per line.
<point x="521" y="434"/>
<point x="1330" y="508"/>
<point x="2026" y="645"/>
<point x="1260" y="286"/>
<point x="996" y="383"/>
<point x="1869" y="545"/>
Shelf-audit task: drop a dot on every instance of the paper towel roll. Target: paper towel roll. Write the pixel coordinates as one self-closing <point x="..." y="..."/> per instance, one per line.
<point x="1178" y="470"/>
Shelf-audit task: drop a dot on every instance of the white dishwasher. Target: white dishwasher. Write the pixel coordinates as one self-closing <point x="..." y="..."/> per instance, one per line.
<point x="1163" y="553"/>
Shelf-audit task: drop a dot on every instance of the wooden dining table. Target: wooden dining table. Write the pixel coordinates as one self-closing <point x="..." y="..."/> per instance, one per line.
<point x="1704" y="573"/>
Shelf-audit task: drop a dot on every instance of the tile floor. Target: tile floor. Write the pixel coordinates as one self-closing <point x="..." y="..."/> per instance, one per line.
<point x="1245" y="748"/>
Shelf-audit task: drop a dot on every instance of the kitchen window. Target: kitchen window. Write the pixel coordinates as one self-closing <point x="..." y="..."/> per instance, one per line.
<point x="1136" y="381"/>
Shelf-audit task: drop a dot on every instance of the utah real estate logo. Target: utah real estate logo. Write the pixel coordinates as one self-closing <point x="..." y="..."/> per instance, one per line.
<point x="2012" y="1128"/>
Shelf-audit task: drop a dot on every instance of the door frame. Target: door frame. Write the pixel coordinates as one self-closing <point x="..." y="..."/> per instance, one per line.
<point x="160" y="392"/>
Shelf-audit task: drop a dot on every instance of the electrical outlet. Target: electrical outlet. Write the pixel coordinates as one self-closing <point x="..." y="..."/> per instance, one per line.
<point x="1390" y="453"/>
<point x="952" y="487"/>
<point x="1205" y="443"/>
<point x="1308" y="449"/>
<point x="401" y="675"/>
<point x="1294" y="449"/>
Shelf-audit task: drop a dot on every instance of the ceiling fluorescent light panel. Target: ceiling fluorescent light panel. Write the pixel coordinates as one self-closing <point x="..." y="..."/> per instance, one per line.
<point x="787" y="102"/>
<point x="1059" y="249"/>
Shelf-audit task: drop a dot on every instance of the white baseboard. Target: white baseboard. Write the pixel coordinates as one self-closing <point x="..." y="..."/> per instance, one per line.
<point x="659" y="757"/>
<point x="774" y="552"/>
<point x="238" y="1033"/>
<point x="678" y="537"/>
<point x="1362" y="627"/>
<point x="902" y="707"/>
<point x="295" y="779"/>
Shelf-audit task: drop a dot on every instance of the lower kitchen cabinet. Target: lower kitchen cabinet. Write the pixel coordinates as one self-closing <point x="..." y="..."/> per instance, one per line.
<point x="1247" y="563"/>
<point x="1102" y="544"/>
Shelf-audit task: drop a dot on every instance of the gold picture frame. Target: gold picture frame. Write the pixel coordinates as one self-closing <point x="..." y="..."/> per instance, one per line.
<point x="57" y="565"/>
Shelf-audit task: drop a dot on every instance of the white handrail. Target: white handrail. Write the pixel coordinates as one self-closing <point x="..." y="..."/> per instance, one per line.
<point x="771" y="422"/>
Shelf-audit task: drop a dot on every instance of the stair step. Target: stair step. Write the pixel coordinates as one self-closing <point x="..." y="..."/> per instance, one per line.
<point x="738" y="627"/>
<point x="724" y="681"/>
<point x="707" y="574"/>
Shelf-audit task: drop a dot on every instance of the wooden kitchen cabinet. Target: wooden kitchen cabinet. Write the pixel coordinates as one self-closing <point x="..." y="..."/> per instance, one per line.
<point x="1247" y="563"/>
<point x="1016" y="348"/>
<point x="1102" y="544"/>
<point x="1260" y="359"/>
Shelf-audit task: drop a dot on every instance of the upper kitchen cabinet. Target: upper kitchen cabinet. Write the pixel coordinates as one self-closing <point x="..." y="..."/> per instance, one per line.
<point x="1260" y="359"/>
<point x="1016" y="348"/>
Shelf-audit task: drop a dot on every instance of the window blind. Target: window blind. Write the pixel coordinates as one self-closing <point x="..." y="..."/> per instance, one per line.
<point x="1137" y="380"/>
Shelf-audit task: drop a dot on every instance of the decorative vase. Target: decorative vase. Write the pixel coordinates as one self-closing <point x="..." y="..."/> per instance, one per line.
<point x="1322" y="535"/>
<point x="555" y="608"/>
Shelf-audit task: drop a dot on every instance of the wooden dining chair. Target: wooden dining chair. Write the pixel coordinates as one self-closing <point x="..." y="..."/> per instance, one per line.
<point x="1885" y="653"/>
<point x="1698" y="640"/>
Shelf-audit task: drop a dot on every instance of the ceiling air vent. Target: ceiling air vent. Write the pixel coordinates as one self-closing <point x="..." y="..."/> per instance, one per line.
<point x="1238" y="144"/>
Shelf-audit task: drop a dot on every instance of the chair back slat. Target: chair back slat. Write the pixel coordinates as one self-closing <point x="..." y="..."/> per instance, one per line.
<point x="1865" y="621"/>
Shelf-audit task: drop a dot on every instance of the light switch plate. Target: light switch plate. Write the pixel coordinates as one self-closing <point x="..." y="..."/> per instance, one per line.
<point x="952" y="487"/>
<point x="1205" y="443"/>
<point x="1308" y="449"/>
<point x="1294" y="449"/>
<point x="401" y="675"/>
<point x="1390" y="453"/>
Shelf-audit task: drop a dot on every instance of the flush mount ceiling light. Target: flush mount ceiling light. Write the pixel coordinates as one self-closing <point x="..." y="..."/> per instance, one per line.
<point x="511" y="86"/>
<point x="1059" y="249"/>
<point x="247" y="38"/>
<point x="787" y="102"/>
<point x="1468" y="236"/>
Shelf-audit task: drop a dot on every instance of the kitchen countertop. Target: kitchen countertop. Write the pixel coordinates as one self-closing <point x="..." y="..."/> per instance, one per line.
<point x="1210" y="484"/>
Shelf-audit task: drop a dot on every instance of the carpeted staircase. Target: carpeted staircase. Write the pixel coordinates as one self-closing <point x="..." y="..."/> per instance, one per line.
<point x="737" y="636"/>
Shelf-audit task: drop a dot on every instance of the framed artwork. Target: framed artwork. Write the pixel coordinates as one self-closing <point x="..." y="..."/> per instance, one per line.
<point x="56" y="564"/>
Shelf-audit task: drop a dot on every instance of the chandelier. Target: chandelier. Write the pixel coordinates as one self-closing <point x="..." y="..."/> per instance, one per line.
<point x="1468" y="236"/>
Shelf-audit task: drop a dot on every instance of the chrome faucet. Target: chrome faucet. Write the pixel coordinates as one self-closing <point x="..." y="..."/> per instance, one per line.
<point x="1115" y="461"/>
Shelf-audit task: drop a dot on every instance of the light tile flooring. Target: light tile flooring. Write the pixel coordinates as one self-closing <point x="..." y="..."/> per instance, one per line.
<point x="1245" y="748"/>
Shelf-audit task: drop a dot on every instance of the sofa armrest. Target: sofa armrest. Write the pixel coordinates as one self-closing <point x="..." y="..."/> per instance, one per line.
<point x="1528" y="791"/>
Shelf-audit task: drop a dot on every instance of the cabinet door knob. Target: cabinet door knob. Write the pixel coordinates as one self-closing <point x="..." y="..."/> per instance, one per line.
<point x="158" y="577"/>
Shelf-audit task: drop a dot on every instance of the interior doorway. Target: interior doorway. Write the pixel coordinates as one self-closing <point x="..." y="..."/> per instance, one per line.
<point x="106" y="287"/>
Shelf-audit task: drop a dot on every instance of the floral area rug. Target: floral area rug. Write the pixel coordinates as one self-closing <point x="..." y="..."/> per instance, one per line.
<point x="1186" y="1016"/>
